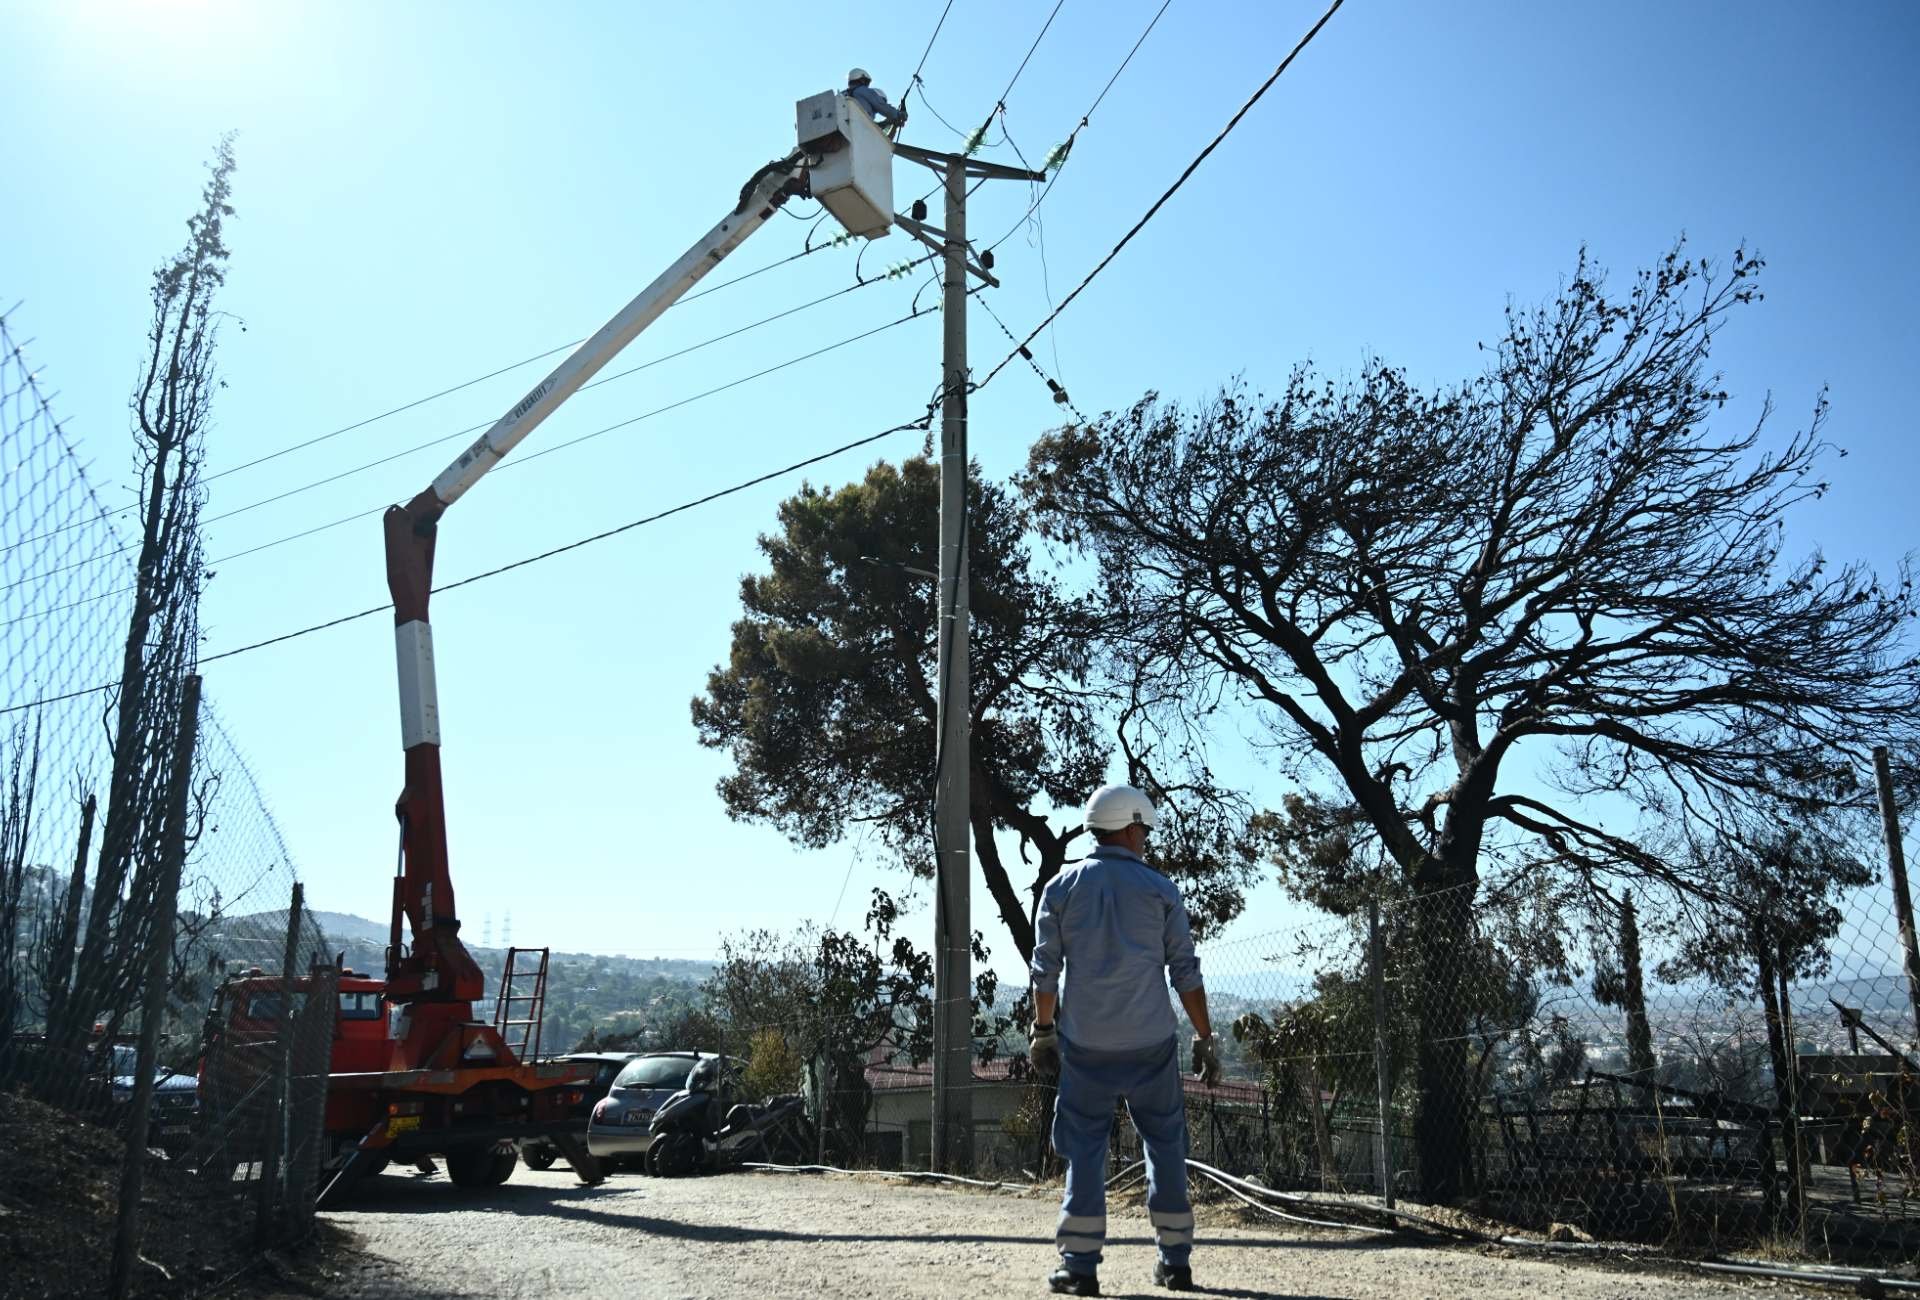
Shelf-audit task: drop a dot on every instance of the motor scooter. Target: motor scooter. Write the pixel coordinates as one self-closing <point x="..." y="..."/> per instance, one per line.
<point x="690" y="1135"/>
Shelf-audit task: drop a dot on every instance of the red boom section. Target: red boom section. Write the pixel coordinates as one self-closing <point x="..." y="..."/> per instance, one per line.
<point x="438" y="969"/>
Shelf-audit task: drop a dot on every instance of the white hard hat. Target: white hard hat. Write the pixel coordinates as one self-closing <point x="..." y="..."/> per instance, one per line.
<point x="857" y="75"/>
<point x="1115" y="807"/>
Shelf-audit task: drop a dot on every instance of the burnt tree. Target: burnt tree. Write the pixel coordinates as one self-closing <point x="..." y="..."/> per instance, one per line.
<point x="172" y="409"/>
<point x="1478" y="610"/>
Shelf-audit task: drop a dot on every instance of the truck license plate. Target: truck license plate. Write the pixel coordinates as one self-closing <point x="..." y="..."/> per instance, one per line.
<point x="398" y="1124"/>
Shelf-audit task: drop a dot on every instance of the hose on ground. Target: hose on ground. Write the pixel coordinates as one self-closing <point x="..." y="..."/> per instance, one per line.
<point x="892" y="1173"/>
<point x="1247" y="1192"/>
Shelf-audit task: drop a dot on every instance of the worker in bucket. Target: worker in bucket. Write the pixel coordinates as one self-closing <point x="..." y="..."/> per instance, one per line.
<point x="860" y="90"/>
<point x="1118" y="929"/>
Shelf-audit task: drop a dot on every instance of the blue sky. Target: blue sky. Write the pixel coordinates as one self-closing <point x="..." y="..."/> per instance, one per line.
<point x="428" y="192"/>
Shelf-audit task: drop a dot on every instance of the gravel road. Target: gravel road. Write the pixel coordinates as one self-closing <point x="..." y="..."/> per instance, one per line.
<point x="765" y="1236"/>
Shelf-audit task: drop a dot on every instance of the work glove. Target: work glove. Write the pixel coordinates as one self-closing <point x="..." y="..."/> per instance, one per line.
<point x="1206" y="1061"/>
<point x="1043" y="1050"/>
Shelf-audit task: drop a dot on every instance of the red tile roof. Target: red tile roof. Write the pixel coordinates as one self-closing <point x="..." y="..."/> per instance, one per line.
<point x="885" y="1077"/>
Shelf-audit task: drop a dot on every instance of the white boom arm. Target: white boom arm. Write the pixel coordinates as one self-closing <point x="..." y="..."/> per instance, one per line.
<point x="585" y="361"/>
<point x="842" y="160"/>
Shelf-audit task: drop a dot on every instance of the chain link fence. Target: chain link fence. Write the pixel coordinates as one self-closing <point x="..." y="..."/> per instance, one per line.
<point x="1708" y="1078"/>
<point x="1723" y="1077"/>
<point x="158" y="1102"/>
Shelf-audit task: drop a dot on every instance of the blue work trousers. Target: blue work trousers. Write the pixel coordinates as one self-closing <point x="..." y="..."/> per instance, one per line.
<point x="1148" y="1080"/>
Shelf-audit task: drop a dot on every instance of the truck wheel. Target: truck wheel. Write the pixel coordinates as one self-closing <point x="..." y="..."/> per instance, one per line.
<point x="474" y="1167"/>
<point x="504" y="1161"/>
<point x="539" y="1157"/>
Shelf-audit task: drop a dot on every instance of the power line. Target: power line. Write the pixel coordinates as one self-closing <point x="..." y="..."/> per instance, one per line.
<point x="527" y="361"/>
<point x="1173" y="189"/>
<point x="914" y="80"/>
<point x="302" y="445"/>
<point x="1000" y="104"/>
<point x="1085" y="120"/>
<point x="1014" y="80"/>
<point x="938" y="116"/>
<point x="605" y="379"/>
<point x="475" y="428"/>
<point x="545" y="451"/>
<point x="922" y="422"/>
<point x="1059" y="393"/>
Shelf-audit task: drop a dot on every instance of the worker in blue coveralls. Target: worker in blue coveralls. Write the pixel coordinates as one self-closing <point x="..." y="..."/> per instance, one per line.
<point x="861" y="91"/>
<point x="1119" y="930"/>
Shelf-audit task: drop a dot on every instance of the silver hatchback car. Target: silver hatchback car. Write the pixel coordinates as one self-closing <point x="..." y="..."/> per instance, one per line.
<point x="617" y="1129"/>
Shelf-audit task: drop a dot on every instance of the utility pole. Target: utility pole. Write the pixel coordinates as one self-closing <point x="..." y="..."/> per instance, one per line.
<point x="952" y="1129"/>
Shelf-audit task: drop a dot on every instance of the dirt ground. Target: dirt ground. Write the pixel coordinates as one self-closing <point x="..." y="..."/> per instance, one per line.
<point x="760" y="1236"/>
<point x="59" y="1197"/>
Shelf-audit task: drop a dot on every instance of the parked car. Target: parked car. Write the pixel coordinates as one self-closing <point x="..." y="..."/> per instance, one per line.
<point x="617" y="1129"/>
<point x="176" y="1101"/>
<point x="538" y="1153"/>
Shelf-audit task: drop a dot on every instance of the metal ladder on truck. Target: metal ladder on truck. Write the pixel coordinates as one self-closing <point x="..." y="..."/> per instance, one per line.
<point x="521" y="1032"/>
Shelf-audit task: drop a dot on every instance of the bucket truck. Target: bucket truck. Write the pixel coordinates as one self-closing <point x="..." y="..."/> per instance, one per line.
<point x="454" y="1084"/>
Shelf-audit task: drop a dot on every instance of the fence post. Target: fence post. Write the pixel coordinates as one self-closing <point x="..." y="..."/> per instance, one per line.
<point x="272" y="1176"/>
<point x="153" y="1006"/>
<point x="1897" y="865"/>
<point x="1376" y="962"/>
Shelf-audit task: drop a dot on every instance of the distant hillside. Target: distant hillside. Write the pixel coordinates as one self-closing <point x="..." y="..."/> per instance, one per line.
<point x="342" y="926"/>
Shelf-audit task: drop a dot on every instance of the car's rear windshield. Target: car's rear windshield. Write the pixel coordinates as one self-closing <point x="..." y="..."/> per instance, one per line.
<point x="655" y="1072"/>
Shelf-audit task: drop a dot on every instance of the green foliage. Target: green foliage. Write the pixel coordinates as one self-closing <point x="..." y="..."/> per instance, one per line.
<point x="773" y="1066"/>
<point x="835" y="1000"/>
<point x="827" y="703"/>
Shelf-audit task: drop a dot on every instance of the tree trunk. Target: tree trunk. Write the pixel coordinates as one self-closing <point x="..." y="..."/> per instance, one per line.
<point x="1790" y="1132"/>
<point x="66" y="932"/>
<point x="1441" y="1124"/>
<point x="1006" y="900"/>
<point x="1769" y="985"/>
<point x="1322" y="1133"/>
<point x="1640" y="1059"/>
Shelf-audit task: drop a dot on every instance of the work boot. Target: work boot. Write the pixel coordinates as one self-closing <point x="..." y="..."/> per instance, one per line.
<point x="1065" y="1281"/>
<point x="1174" y="1277"/>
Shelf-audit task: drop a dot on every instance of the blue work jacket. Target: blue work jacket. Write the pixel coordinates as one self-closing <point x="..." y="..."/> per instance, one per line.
<point x="875" y="102"/>
<point x="1115" y="925"/>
